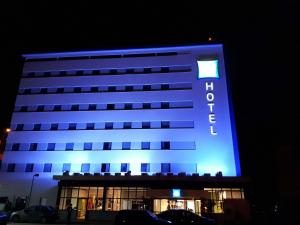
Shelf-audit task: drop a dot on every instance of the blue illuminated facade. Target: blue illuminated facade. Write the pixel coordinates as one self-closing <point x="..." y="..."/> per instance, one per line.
<point x="153" y="110"/>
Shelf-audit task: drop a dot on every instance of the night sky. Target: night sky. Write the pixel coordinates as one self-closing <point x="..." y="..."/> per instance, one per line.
<point x="261" y="47"/>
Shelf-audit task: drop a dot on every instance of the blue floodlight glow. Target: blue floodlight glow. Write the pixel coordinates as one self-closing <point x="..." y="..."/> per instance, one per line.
<point x="208" y="69"/>
<point x="176" y="193"/>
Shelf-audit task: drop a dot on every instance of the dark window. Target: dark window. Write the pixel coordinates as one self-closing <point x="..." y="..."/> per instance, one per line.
<point x="145" y="167"/>
<point x="129" y="88"/>
<point x="77" y="89"/>
<point x="11" y="167"/>
<point x="29" y="167"/>
<point x="95" y="72"/>
<point x="92" y="107"/>
<point x="85" y="167"/>
<point x="15" y="147"/>
<point x="165" y="124"/>
<point x="37" y="126"/>
<point x="145" y="145"/>
<point x="146" y="105"/>
<point x="110" y="107"/>
<point x="66" y="167"/>
<point x="57" y="108"/>
<point x="94" y="89"/>
<point x="130" y="71"/>
<point x="147" y="88"/>
<point x="107" y="146"/>
<point x="51" y="147"/>
<point x="165" y="145"/>
<point x="126" y="145"/>
<point x="79" y="72"/>
<point x="127" y="125"/>
<point x="165" y="105"/>
<point x="165" y="168"/>
<point x="90" y="126"/>
<point x="147" y="70"/>
<point x="47" y="167"/>
<point x="124" y="167"/>
<point x="88" y="146"/>
<point x="33" y="147"/>
<point x="165" y="69"/>
<point x="165" y="87"/>
<point x="20" y="127"/>
<point x="109" y="125"/>
<point x="113" y="72"/>
<point x="40" y="108"/>
<point x="128" y="106"/>
<point x="146" y="125"/>
<point x="54" y="126"/>
<point x="72" y="126"/>
<point x="62" y="73"/>
<point x="111" y="88"/>
<point x="44" y="91"/>
<point x="69" y="146"/>
<point x="23" y="109"/>
<point x="47" y="74"/>
<point x="75" y="107"/>
<point x="105" y="167"/>
<point x="27" y="91"/>
<point x="60" y="90"/>
<point x="31" y="74"/>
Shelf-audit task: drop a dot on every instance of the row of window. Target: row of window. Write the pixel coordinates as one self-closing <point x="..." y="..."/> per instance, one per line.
<point x="148" y="70"/>
<point x="137" y="55"/>
<point x="116" y="106"/>
<point x="164" y="145"/>
<point x="85" y="167"/>
<point x="94" y="89"/>
<point x="104" y="125"/>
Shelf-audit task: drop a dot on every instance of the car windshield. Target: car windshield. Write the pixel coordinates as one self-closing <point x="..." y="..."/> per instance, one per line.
<point x="152" y="215"/>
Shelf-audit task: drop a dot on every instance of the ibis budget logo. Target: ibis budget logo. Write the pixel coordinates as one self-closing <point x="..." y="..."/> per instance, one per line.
<point x="209" y="69"/>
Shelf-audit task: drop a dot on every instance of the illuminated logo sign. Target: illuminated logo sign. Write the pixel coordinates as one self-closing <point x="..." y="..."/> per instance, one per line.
<point x="176" y="193"/>
<point x="210" y="97"/>
<point x="208" y="69"/>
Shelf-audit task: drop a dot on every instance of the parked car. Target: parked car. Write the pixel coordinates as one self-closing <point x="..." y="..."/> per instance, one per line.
<point x="3" y="218"/>
<point x="36" y="213"/>
<point x="185" y="217"/>
<point x="138" y="217"/>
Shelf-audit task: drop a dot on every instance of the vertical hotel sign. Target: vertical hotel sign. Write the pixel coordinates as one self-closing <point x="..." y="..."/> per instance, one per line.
<point x="208" y="69"/>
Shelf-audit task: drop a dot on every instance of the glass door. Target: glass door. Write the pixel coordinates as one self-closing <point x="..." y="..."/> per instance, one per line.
<point x="81" y="208"/>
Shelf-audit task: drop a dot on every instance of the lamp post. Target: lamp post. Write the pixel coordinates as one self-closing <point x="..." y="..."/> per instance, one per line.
<point x="35" y="175"/>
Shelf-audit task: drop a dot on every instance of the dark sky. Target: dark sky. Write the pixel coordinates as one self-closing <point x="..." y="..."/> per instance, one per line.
<point x="261" y="48"/>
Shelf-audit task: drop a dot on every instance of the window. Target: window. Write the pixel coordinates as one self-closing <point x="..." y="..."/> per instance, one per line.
<point x="95" y="72"/>
<point x="109" y="125"/>
<point x="111" y="88"/>
<point x="57" y="108"/>
<point x="23" y="109"/>
<point x="85" y="167"/>
<point x="165" y="87"/>
<point x="27" y="91"/>
<point x="124" y="167"/>
<point x="94" y="89"/>
<point x="51" y="147"/>
<point x="110" y="107"/>
<point x="145" y="167"/>
<point x="165" y="105"/>
<point x="29" y="167"/>
<point x="107" y="146"/>
<point x="66" y="167"/>
<point x="146" y="106"/>
<point x="11" y="167"/>
<point x="126" y="145"/>
<point x="75" y="107"/>
<point x="113" y="72"/>
<point x="146" y="125"/>
<point x="62" y="73"/>
<point x="33" y="147"/>
<point x="147" y="88"/>
<point x="127" y="125"/>
<point x="165" y="124"/>
<point x="90" y="126"/>
<point x="92" y="107"/>
<point x="165" y="145"/>
<point x="20" y="127"/>
<point x="15" y="147"/>
<point x="104" y="167"/>
<point x="88" y="146"/>
<point x="44" y="91"/>
<point x="129" y="88"/>
<point x="145" y="145"/>
<point x="54" y="126"/>
<point x="165" y="168"/>
<point x="47" y="74"/>
<point x="128" y="106"/>
<point x="77" y="89"/>
<point x="40" y="108"/>
<point x="60" y="90"/>
<point x="165" y="69"/>
<point x="37" y="126"/>
<point x="69" y="146"/>
<point x="72" y="126"/>
<point x="147" y="70"/>
<point x="47" y="167"/>
<point x="79" y="72"/>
